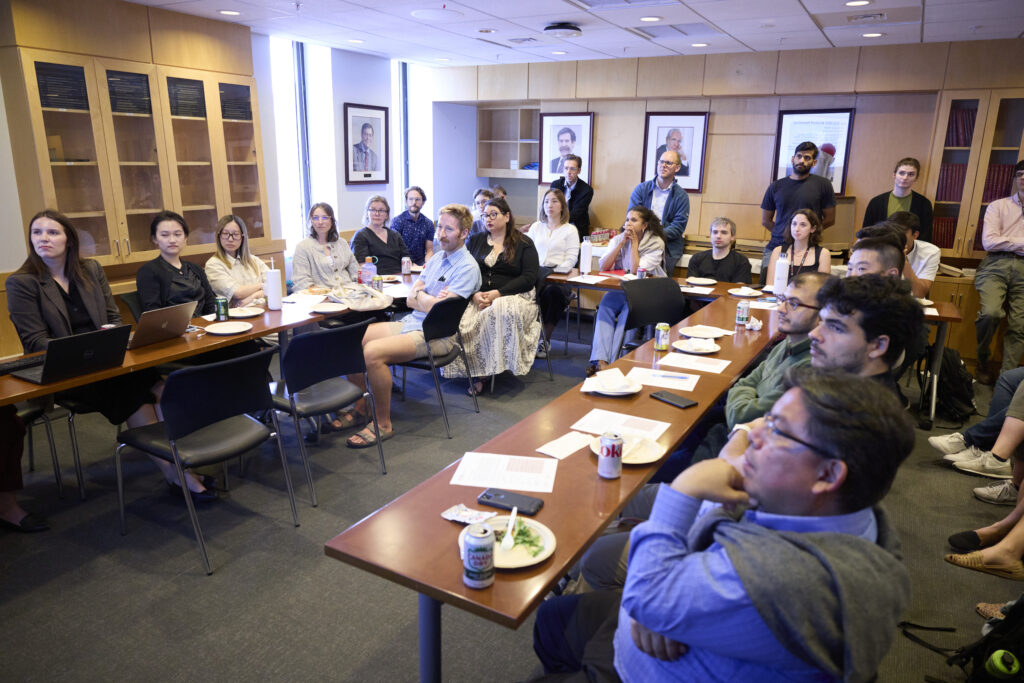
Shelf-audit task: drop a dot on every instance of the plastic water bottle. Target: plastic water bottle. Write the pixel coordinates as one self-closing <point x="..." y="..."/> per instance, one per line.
<point x="367" y="272"/>
<point x="586" y="256"/>
<point x="781" y="274"/>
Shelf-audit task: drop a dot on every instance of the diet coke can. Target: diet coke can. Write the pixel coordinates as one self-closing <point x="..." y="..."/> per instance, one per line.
<point x="609" y="460"/>
<point x="641" y="273"/>
<point x="406" y="265"/>
<point x="478" y="556"/>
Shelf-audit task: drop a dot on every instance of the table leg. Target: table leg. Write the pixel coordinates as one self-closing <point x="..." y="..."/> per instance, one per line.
<point x="283" y="337"/>
<point x="942" y="332"/>
<point x="430" y="639"/>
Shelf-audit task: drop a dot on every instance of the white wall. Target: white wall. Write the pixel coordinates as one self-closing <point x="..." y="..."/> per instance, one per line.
<point x="12" y="223"/>
<point x="454" y="141"/>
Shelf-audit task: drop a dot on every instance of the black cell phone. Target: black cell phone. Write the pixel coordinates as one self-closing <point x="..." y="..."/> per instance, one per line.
<point x="673" y="399"/>
<point x="506" y="500"/>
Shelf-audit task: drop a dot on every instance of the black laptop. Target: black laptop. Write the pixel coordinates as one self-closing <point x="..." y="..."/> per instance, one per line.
<point x="79" y="354"/>
<point x="161" y="324"/>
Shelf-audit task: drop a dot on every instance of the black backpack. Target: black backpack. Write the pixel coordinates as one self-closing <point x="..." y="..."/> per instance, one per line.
<point x="956" y="388"/>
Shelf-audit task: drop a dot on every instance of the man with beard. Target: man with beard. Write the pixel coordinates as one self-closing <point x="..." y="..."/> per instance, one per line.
<point x="416" y="229"/>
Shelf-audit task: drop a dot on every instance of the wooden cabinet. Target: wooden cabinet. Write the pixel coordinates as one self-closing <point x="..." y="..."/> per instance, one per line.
<point x="508" y="138"/>
<point x="961" y="292"/>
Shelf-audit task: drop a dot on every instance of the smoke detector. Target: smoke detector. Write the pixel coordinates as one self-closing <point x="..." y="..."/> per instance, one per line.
<point x="563" y="29"/>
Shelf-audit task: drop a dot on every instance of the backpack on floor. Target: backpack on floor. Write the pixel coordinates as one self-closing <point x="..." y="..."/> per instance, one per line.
<point x="956" y="388"/>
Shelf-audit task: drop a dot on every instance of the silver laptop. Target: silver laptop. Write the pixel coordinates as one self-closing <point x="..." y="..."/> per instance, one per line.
<point x="161" y="324"/>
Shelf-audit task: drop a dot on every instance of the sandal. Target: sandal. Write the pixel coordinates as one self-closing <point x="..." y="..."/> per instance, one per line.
<point x="367" y="438"/>
<point x="345" y="420"/>
<point x="476" y="388"/>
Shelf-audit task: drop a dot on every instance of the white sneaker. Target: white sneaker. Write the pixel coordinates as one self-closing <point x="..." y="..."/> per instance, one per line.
<point x="987" y="466"/>
<point x="948" y="443"/>
<point x="969" y="453"/>
<point x="542" y="349"/>
<point x="998" y="493"/>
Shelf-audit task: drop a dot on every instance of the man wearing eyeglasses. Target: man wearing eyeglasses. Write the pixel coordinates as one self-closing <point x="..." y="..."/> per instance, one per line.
<point x="363" y="156"/>
<point x="669" y="202"/>
<point x="1000" y="279"/>
<point x="776" y="566"/>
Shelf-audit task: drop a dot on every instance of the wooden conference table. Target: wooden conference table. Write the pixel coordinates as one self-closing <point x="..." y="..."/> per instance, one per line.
<point x="408" y="542"/>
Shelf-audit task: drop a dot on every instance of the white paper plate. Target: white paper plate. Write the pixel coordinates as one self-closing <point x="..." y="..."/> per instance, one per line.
<point x="635" y="450"/>
<point x="233" y="327"/>
<point x="391" y="279"/>
<point x="738" y="291"/>
<point x="699" y="333"/>
<point x="701" y="281"/>
<point x="925" y="302"/>
<point x="688" y="346"/>
<point x="245" y="312"/>
<point x="329" y="307"/>
<point x="634" y="388"/>
<point x="518" y="557"/>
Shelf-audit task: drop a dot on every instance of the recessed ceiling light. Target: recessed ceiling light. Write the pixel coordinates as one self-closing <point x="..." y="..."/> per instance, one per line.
<point x="857" y="3"/>
<point x="485" y="30"/>
<point x="650" y="18"/>
<point x="698" y="44"/>
<point x="442" y="59"/>
<point x="356" y="41"/>
<point x="872" y="35"/>
<point x="559" y="52"/>
<point x="228" y="12"/>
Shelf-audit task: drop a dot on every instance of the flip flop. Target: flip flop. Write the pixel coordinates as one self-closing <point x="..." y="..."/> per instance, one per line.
<point x="367" y="438"/>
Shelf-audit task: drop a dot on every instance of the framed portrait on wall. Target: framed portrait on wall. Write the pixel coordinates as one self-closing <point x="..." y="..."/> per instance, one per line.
<point x="562" y="135"/>
<point x="683" y="132"/>
<point x="830" y="129"/>
<point x="366" y="144"/>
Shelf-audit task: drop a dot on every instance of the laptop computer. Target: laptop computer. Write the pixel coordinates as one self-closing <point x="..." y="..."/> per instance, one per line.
<point x="79" y="354"/>
<point x="162" y="323"/>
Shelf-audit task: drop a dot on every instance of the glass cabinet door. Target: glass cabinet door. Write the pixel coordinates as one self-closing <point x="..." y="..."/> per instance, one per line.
<point x="242" y="162"/>
<point x="1004" y="133"/>
<point x="190" y="152"/>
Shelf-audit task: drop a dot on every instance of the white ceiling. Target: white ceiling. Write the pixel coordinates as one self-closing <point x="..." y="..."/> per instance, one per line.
<point x="447" y="32"/>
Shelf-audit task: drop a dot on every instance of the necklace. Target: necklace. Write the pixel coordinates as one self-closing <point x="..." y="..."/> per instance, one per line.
<point x="792" y="260"/>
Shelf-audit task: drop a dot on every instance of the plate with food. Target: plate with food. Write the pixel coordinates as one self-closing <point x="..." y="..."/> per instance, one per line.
<point x="745" y="292"/>
<point x="701" y="332"/>
<point x="391" y="279"/>
<point x="702" y="281"/>
<point x="228" y="328"/>
<point x="245" y="312"/>
<point x="534" y="542"/>
<point x="925" y="302"/>
<point x="636" y="450"/>
<point x="698" y="346"/>
<point x="329" y="307"/>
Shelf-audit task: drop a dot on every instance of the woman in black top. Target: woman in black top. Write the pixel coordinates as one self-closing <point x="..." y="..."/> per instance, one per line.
<point x="500" y="327"/>
<point x="167" y="280"/>
<point x="377" y="240"/>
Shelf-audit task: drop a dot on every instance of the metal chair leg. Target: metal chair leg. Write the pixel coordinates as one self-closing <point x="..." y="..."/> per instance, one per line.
<point x="440" y="397"/>
<point x="465" y="361"/>
<point x="287" y="472"/>
<point x="53" y="455"/>
<point x="376" y="430"/>
<point x="304" y="455"/>
<point x="120" y="488"/>
<point x="75" y="454"/>
<point x="193" y="517"/>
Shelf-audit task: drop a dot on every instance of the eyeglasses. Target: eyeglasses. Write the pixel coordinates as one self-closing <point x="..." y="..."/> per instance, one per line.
<point x="662" y="162"/>
<point x="378" y="211"/>
<point x="231" y="235"/>
<point x="769" y="421"/>
<point x="793" y="302"/>
<point x="492" y="215"/>
<point x="320" y="219"/>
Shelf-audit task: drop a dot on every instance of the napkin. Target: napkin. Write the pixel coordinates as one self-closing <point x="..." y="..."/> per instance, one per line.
<point x="754" y="324"/>
<point x="610" y="380"/>
<point x="711" y="329"/>
<point x="748" y="291"/>
<point x="701" y="345"/>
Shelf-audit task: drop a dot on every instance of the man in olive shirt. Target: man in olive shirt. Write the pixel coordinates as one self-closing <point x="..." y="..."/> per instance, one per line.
<point x="902" y="198"/>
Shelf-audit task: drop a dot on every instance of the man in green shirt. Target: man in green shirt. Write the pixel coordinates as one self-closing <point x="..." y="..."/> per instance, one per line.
<point x="902" y="198"/>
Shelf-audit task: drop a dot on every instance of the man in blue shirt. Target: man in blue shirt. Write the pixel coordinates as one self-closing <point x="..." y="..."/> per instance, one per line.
<point x="450" y="272"/>
<point x="774" y="566"/>
<point x="668" y="201"/>
<point x="417" y="230"/>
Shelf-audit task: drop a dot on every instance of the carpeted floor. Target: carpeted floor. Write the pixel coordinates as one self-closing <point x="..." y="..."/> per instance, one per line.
<point x="83" y="603"/>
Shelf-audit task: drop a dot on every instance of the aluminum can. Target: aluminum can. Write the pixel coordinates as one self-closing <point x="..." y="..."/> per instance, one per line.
<point x="743" y="312"/>
<point x="641" y="273"/>
<point x="378" y="283"/>
<point x="609" y="460"/>
<point x="661" y="336"/>
<point x="478" y="556"/>
<point x="222" y="307"/>
<point x="406" y="265"/>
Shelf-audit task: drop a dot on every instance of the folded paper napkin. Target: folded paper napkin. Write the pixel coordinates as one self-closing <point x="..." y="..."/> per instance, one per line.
<point x="754" y="324"/>
<point x="610" y="380"/>
<point x="748" y="291"/>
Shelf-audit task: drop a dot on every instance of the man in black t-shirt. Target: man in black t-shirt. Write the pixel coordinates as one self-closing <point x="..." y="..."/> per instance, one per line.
<point x="721" y="261"/>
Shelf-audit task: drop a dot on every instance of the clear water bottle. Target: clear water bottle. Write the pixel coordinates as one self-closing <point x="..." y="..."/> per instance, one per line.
<point x="367" y="272"/>
<point x="781" y="274"/>
<point x="586" y="255"/>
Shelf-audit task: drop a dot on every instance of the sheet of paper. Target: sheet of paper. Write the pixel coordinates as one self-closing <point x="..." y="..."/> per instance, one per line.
<point x="931" y="311"/>
<point x="697" y="290"/>
<point x="307" y="300"/>
<point x="587" y="279"/>
<point x="512" y="472"/>
<point x="660" y="378"/>
<point x="599" y="421"/>
<point x="565" y="445"/>
<point x="686" y="361"/>
<point x="764" y="305"/>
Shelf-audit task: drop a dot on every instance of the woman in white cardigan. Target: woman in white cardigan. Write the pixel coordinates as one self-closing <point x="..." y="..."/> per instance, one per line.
<point x="558" y="247"/>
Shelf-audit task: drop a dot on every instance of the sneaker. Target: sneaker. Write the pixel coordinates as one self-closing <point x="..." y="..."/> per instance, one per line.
<point x="969" y="453"/>
<point x="987" y="466"/>
<point x="949" y="443"/>
<point x="999" y="493"/>
<point x="542" y="349"/>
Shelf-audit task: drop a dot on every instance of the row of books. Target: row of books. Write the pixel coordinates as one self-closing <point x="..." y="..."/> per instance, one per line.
<point x="998" y="182"/>
<point x="961" y="127"/>
<point x="951" y="182"/>
<point x="944" y="231"/>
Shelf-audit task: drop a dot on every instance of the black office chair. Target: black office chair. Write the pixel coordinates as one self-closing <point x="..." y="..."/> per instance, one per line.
<point x="75" y="407"/>
<point x="442" y="321"/>
<point x="134" y="304"/>
<point x="33" y="413"/>
<point x="542" y="274"/>
<point x="314" y="364"/>
<point x="652" y="300"/>
<point x="205" y="422"/>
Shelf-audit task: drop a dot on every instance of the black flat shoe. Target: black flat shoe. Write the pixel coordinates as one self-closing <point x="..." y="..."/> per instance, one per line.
<point x="29" y="524"/>
<point x="965" y="542"/>
<point x="197" y="496"/>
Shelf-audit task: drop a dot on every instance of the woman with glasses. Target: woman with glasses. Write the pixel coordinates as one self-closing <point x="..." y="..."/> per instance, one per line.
<point x="500" y="328"/>
<point x="376" y="240"/>
<point x="323" y="259"/>
<point x="802" y="247"/>
<point x="233" y="272"/>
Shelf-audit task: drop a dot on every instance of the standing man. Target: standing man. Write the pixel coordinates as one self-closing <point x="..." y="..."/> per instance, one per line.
<point x="669" y="202"/>
<point x="578" y="194"/>
<point x="799" y="190"/>
<point x="674" y="143"/>
<point x="721" y="262"/>
<point x="902" y="198"/>
<point x="566" y="141"/>
<point x="363" y="156"/>
<point x="417" y="230"/>
<point x="1000" y="279"/>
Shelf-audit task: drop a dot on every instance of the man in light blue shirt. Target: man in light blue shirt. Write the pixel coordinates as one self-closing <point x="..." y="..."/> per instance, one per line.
<point x="450" y="272"/>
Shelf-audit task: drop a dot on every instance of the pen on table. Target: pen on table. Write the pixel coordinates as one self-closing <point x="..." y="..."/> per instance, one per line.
<point x="672" y="375"/>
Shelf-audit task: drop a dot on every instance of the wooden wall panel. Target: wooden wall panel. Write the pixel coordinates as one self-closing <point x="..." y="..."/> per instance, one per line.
<point x="902" y="68"/>
<point x="670" y="76"/>
<point x="617" y="141"/>
<point x="847" y="221"/>
<point x="502" y="82"/>
<point x="985" y="64"/>
<point x="817" y="102"/>
<point x="10" y="345"/>
<point x="197" y="43"/>
<point x="694" y="225"/>
<point x="604" y="78"/>
<point x="563" y="106"/>
<point x="744" y="116"/>
<point x="748" y="73"/>
<point x="737" y="168"/>
<point x="831" y="70"/>
<point x="102" y="28"/>
<point x="455" y="84"/>
<point x="747" y="218"/>
<point x="688" y="104"/>
<point x="552" y="80"/>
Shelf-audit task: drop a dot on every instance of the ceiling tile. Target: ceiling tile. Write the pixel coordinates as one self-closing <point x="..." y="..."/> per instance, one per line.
<point x="717" y="10"/>
<point x="974" y="11"/>
<point x="974" y="30"/>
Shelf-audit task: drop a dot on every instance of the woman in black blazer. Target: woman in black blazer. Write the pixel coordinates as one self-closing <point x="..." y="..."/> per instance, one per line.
<point x="167" y="280"/>
<point x="500" y="327"/>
